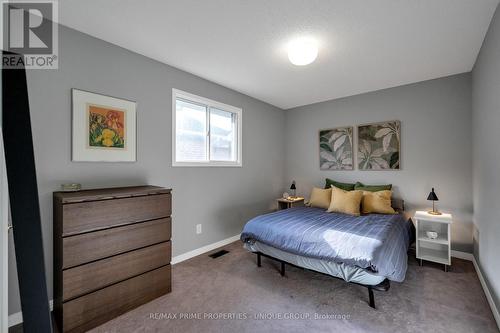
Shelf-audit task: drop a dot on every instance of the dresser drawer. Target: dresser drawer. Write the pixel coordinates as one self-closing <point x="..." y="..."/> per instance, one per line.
<point x="84" y="248"/>
<point x="96" y="308"/>
<point x="86" y="278"/>
<point x="95" y="215"/>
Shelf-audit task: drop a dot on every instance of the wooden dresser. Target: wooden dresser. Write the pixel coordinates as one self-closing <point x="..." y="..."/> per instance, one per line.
<point x="112" y="253"/>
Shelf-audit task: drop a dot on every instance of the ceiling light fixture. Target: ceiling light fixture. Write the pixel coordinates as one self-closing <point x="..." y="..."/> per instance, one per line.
<point x="302" y="51"/>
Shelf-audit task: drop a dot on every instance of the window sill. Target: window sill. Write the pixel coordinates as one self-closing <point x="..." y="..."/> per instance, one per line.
<point x="207" y="165"/>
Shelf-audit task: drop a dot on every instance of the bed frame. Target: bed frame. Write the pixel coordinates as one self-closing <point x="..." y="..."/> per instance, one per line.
<point x="399" y="206"/>
<point x="382" y="286"/>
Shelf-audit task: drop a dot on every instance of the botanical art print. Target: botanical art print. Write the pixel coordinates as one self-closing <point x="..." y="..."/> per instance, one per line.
<point x="379" y="146"/>
<point x="106" y="127"/>
<point x="335" y="149"/>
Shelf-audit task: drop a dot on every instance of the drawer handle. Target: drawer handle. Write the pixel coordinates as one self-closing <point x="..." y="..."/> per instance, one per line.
<point x="74" y="200"/>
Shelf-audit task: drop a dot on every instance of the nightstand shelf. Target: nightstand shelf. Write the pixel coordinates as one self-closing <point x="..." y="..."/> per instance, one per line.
<point x="436" y="250"/>
<point x="439" y="240"/>
<point x="439" y="256"/>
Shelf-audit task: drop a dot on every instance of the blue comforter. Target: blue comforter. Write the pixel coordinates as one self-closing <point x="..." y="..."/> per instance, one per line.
<point x="375" y="242"/>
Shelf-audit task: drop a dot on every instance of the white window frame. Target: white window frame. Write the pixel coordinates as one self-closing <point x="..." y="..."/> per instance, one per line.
<point x="176" y="93"/>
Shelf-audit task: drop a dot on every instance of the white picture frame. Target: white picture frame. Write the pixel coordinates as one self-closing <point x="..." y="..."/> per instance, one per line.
<point x="103" y="128"/>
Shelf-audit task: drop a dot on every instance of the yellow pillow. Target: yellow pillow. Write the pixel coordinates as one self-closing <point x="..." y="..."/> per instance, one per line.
<point x="377" y="202"/>
<point x="320" y="197"/>
<point x="347" y="202"/>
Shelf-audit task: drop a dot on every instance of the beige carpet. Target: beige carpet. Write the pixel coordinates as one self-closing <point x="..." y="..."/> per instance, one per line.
<point x="256" y="300"/>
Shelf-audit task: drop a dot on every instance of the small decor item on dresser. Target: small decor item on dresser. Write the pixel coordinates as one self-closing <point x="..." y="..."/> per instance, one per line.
<point x="294" y="189"/>
<point x="104" y="128"/>
<point x="71" y="187"/>
<point x="432" y="196"/>
<point x="285" y="195"/>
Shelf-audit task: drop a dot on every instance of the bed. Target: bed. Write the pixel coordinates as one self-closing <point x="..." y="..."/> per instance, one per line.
<point x="369" y="250"/>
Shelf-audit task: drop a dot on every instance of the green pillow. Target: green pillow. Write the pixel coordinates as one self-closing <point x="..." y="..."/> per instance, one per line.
<point x="372" y="188"/>
<point x="343" y="186"/>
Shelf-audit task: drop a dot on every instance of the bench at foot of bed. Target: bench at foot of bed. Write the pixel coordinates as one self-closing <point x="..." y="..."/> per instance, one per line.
<point x="382" y="286"/>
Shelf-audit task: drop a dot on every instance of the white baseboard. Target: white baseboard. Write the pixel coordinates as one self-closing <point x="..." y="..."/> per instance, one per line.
<point x="17" y="318"/>
<point x="204" y="249"/>
<point x="492" y="304"/>
<point x="470" y="257"/>
<point x="462" y="255"/>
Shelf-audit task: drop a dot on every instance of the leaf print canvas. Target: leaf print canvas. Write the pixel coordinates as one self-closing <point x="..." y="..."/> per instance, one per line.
<point x="336" y="149"/>
<point x="379" y="146"/>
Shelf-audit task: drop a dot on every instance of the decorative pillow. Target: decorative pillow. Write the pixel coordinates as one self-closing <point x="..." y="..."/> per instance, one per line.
<point x="347" y="202"/>
<point x="372" y="188"/>
<point x="343" y="186"/>
<point x="377" y="202"/>
<point x="320" y="197"/>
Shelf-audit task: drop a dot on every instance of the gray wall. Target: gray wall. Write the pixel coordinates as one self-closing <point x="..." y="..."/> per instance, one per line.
<point x="222" y="199"/>
<point x="436" y="145"/>
<point x="486" y="140"/>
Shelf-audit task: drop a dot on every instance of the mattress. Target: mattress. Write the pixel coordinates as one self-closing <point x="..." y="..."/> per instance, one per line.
<point x="343" y="271"/>
<point x="373" y="242"/>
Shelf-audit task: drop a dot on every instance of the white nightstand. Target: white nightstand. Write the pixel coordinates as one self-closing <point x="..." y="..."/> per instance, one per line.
<point x="436" y="250"/>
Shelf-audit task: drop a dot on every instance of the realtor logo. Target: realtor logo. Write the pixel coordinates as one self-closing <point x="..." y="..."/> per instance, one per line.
<point x="30" y="31"/>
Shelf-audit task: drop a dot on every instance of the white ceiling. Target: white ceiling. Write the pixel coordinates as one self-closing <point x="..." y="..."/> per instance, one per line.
<point x="365" y="45"/>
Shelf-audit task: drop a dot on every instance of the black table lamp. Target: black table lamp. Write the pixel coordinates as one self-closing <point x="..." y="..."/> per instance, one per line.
<point x="432" y="196"/>
<point x="293" y="188"/>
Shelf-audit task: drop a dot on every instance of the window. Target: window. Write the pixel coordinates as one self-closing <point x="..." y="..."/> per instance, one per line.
<point x="204" y="132"/>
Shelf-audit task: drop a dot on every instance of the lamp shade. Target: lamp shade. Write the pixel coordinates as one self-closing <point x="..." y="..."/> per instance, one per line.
<point x="292" y="187"/>
<point x="432" y="196"/>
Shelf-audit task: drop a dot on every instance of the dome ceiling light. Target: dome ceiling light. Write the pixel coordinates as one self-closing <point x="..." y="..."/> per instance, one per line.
<point x="302" y="51"/>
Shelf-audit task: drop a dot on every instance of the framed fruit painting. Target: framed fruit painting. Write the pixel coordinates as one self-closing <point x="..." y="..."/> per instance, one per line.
<point x="104" y="128"/>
